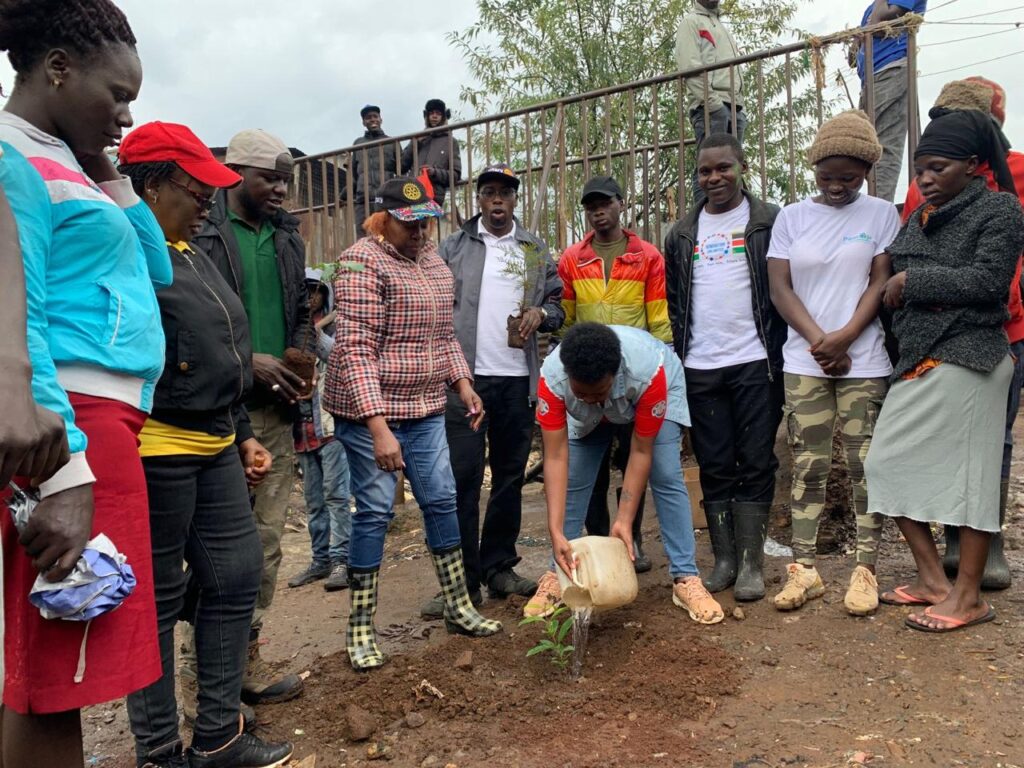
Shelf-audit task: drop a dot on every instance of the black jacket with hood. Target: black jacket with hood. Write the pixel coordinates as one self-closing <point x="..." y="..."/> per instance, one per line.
<point x="679" y="245"/>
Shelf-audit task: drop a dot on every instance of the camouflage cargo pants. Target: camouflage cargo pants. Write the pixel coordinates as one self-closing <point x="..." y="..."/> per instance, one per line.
<point x="813" y="406"/>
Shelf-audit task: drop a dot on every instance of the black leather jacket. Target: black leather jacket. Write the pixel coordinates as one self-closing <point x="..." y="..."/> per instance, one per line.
<point x="679" y="245"/>
<point x="209" y="353"/>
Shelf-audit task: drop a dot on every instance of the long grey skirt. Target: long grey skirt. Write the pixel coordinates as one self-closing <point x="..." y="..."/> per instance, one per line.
<point x="937" y="449"/>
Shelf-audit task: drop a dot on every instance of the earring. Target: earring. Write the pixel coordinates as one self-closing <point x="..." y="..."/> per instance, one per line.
<point x="153" y="196"/>
<point x="57" y="83"/>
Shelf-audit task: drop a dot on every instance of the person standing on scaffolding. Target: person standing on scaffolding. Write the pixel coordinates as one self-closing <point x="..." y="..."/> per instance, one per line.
<point x="704" y="41"/>
<point x="889" y="85"/>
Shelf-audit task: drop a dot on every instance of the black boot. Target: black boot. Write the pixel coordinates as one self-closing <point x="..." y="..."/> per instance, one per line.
<point x="642" y="564"/>
<point x="951" y="556"/>
<point x="997" y="570"/>
<point x="750" y="520"/>
<point x="720" y="529"/>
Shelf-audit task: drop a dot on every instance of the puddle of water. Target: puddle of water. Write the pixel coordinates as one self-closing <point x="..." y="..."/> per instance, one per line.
<point x="580" y="634"/>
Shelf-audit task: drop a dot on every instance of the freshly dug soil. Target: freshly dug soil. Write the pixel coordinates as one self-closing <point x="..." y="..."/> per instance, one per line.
<point x="599" y="720"/>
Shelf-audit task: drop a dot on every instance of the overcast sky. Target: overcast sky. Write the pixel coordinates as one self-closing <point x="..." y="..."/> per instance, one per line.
<point x="303" y="69"/>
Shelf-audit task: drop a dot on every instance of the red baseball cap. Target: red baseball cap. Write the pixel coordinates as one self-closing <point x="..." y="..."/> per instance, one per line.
<point x="158" y="142"/>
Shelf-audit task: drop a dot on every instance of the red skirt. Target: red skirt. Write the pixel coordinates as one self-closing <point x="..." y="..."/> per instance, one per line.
<point x="122" y="652"/>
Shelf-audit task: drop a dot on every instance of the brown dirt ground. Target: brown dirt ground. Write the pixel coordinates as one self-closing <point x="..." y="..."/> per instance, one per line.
<point x="814" y="688"/>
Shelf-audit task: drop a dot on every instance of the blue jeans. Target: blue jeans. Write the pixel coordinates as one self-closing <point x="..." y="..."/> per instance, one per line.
<point x="325" y="487"/>
<point x="429" y="470"/>
<point x="671" y="501"/>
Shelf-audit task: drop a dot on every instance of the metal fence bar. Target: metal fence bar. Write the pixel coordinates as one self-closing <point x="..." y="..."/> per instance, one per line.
<point x="868" y="97"/>
<point x="791" y="193"/>
<point x="763" y="152"/>
<point x="634" y="121"/>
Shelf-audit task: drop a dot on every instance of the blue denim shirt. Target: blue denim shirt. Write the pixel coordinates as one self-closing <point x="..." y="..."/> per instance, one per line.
<point x="642" y="356"/>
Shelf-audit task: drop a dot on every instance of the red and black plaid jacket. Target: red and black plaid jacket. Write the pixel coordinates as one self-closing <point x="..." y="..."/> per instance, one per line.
<point x="394" y="347"/>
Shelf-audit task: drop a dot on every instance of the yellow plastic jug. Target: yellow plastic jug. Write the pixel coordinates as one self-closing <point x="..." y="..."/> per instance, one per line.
<point x="603" y="578"/>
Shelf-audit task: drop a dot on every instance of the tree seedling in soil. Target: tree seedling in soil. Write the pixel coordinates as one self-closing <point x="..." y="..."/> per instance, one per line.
<point x="556" y="628"/>
<point x="524" y="271"/>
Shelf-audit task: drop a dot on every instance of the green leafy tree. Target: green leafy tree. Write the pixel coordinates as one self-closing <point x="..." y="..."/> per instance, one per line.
<point x="523" y="52"/>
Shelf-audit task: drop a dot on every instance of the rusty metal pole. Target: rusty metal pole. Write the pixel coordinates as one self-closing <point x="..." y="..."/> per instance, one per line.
<point x="913" y="105"/>
<point x="868" y="93"/>
<point x="761" y="116"/>
<point x="791" y="195"/>
<point x="545" y="174"/>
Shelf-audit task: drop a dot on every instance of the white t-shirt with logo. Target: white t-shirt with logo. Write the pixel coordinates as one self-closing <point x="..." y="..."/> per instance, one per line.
<point x="500" y="295"/>
<point x="723" y="331"/>
<point x="830" y="251"/>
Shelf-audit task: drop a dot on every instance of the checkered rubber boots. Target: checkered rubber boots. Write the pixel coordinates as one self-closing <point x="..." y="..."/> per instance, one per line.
<point x="460" y="616"/>
<point x="361" y="638"/>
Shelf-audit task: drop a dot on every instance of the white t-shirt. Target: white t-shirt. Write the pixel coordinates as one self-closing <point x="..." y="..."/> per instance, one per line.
<point x="500" y="296"/>
<point x="723" y="331"/>
<point x="830" y="251"/>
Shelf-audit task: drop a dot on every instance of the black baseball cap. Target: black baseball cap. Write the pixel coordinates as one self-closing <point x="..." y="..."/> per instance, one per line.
<point x="606" y="186"/>
<point x="405" y="199"/>
<point x="498" y="172"/>
<point x="369" y="108"/>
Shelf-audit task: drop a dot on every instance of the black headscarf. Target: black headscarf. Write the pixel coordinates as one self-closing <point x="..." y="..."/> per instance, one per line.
<point x="961" y="134"/>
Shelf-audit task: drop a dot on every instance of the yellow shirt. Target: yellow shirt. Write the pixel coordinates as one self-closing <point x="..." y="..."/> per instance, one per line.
<point x="159" y="439"/>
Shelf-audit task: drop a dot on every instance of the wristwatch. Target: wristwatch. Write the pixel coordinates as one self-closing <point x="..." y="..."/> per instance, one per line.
<point x="543" y="313"/>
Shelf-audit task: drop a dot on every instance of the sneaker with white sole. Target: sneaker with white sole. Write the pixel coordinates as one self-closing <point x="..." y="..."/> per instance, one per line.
<point x="692" y="596"/>
<point x="802" y="584"/>
<point x="547" y="597"/>
<point x="862" y="596"/>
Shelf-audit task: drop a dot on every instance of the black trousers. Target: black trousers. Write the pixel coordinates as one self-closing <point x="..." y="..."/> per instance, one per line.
<point x="598" y="522"/>
<point x="199" y="513"/>
<point x="504" y="438"/>
<point x="735" y="413"/>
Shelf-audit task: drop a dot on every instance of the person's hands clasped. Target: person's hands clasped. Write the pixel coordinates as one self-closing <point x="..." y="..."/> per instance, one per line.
<point x="892" y="291"/>
<point x="532" y="319"/>
<point x="564" y="556"/>
<point x="256" y="460"/>
<point x="275" y="376"/>
<point x="58" y="530"/>
<point x="474" y="405"/>
<point x="830" y="352"/>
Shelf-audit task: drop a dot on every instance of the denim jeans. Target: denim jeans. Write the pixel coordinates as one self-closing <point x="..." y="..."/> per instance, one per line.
<point x="671" y="501"/>
<point x="328" y="514"/>
<point x="720" y="122"/>
<point x="736" y="412"/>
<point x="429" y="470"/>
<point x="199" y="514"/>
<point x="504" y="437"/>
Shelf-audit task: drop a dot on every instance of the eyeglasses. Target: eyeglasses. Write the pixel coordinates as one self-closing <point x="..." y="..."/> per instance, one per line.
<point x="489" y="193"/>
<point x="203" y="202"/>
